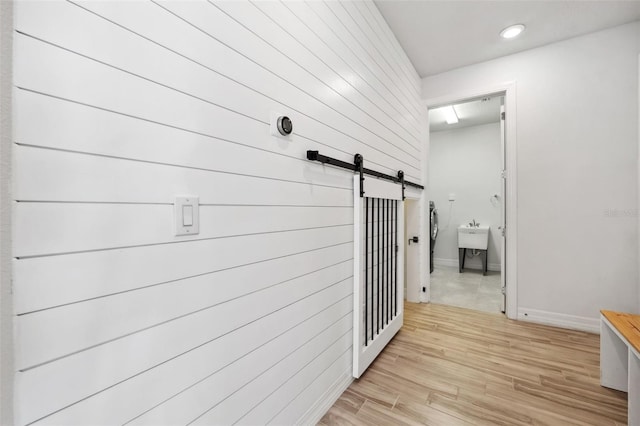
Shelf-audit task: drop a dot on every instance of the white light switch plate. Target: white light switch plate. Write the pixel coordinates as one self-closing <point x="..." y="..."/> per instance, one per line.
<point x="187" y="215"/>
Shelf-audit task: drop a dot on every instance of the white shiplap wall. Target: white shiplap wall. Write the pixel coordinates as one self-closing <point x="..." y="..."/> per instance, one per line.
<point x="6" y="202"/>
<point x="121" y="106"/>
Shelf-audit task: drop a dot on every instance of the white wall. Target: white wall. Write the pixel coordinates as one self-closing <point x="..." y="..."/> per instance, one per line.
<point x="6" y="301"/>
<point x="466" y="162"/>
<point x="121" y="106"/>
<point x="577" y="129"/>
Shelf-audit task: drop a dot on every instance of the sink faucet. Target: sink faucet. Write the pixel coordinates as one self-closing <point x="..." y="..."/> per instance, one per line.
<point x="474" y="224"/>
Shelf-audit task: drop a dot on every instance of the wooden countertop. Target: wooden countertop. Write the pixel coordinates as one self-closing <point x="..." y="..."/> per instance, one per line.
<point x="627" y="324"/>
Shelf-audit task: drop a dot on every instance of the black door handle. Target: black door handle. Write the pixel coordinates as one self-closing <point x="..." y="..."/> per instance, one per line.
<point x="413" y="239"/>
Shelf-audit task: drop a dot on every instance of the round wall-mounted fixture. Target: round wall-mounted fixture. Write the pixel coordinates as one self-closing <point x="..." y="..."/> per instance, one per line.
<point x="285" y="127"/>
<point x="512" y="31"/>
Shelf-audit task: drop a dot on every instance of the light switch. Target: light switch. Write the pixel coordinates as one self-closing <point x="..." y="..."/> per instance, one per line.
<point x="187" y="215"/>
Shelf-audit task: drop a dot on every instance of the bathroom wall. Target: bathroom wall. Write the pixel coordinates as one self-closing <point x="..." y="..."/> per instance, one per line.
<point x="577" y="166"/>
<point x="122" y="106"/>
<point x="466" y="162"/>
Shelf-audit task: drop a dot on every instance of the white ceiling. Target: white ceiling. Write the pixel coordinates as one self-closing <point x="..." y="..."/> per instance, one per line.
<point x="473" y="113"/>
<point x="440" y="35"/>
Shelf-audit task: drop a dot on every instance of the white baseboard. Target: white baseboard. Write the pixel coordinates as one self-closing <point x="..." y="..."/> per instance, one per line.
<point x="326" y="401"/>
<point x="445" y="262"/>
<point x="572" y="322"/>
<point x="454" y="262"/>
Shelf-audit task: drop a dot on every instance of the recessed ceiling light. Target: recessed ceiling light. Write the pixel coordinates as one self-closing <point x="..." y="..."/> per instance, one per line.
<point x="512" y="31"/>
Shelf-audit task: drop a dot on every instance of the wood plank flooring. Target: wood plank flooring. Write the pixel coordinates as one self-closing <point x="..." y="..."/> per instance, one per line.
<point x="451" y="366"/>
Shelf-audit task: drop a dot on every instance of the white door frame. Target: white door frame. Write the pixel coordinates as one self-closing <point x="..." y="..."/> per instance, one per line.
<point x="503" y="215"/>
<point x="508" y="90"/>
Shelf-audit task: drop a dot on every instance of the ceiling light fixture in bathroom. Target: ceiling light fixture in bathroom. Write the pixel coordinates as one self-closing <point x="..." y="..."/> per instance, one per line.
<point x="512" y="31"/>
<point x="450" y="114"/>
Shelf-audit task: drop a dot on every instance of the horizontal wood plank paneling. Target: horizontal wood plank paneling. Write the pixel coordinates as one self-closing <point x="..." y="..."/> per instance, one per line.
<point x="317" y="312"/>
<point x="117" y="135"/>
<point x="315" y="45"/>
<point x="53" y="175"/>
<point x="251" y="94"/>
<point x="211" y="401"/>
<point x="239" y="33"/>
<point x="121" y="107"/>
<point x="266" y="26"/>
<point x="380" y="28"/>
<point x="360" y="52"/>
<point x="353" y="22"/>
<point x="382" y="32"/>
<point x="56" y="333"/>
<point x="315" y="361"/>
<point x="126" y="269"/>
<point x="356" y="65"/>
<point x="380" y="51"/>
<point x="46" y="228"/>
<point x="317" y="381"/>
<point x="152" y="354"/>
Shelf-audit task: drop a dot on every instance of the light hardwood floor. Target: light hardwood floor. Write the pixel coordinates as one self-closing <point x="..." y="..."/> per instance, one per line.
<point x="452" y="366"/>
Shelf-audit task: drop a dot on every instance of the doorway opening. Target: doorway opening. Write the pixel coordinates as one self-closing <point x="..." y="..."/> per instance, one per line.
<point x="467" y="204"/>
<point x="414" y="249"/>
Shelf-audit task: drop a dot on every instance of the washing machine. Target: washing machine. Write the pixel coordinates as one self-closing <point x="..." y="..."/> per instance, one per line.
<point x="433" y="228"/>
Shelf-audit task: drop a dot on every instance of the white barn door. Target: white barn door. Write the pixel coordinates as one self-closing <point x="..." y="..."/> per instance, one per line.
<point x="378" y="269"/>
